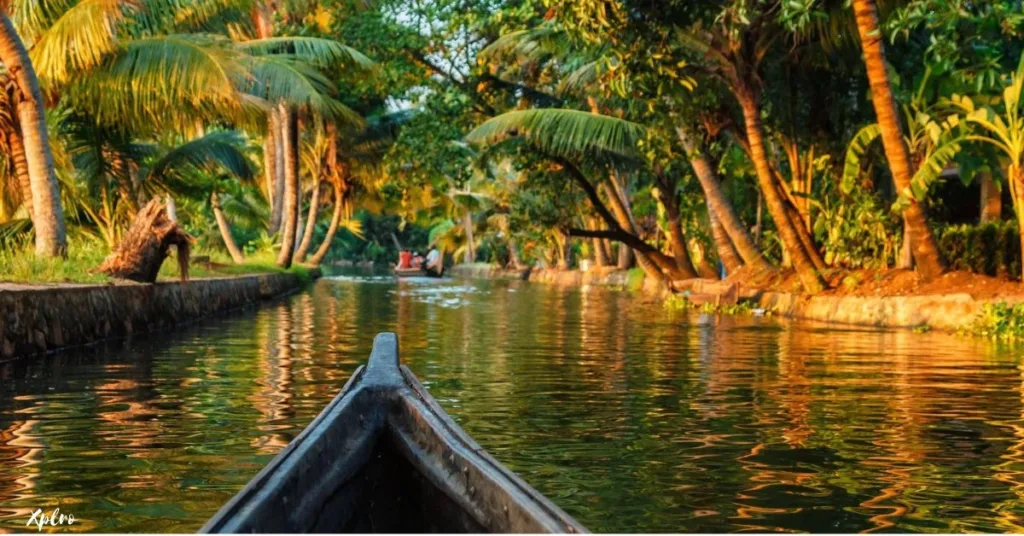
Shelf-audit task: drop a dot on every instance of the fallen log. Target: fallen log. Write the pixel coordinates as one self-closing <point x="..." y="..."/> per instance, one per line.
<point x="146" y="244"/>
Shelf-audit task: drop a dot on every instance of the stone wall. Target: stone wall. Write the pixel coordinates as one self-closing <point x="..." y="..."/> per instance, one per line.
<point x="609" y="277"/>
<point x="938" y="311"/>
<point x="482" y="270"/>
<point x="37" y="319"/>
<point x="941" y="311"/>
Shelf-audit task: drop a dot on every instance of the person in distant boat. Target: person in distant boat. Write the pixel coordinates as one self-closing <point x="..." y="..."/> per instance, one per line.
<point x="417" y="260"/>
<point x="433" y="264"/>
<point x="404" y="260"/>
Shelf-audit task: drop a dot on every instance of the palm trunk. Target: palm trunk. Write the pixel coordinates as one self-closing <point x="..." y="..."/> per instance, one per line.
<point x="926" y="252"/>
<point x="225" y="230"/>
<point x="805" y="269"/>
<point x="171" y="209"/>
<point x="991" y="198"/>
<point x="1016" y="177"/>
<point x="759" y="218"/>
<point x="906" y="258"/>
<point x="627" y="254"/>
<point x="626" y="257"/>
<point x="279" y="167"/>
<point x="680" y="251"/>
<point x="48" y="221"/>
<point x="601" y="256"/>
<point x="314" y="210"/>
<point x="289" y="118"/>
<point x="726" y="251"/>
<point x="513" y="254"/>
<point x="622" y="215"/>
<point x="300" y="223"/>
<point x="339" y="203"/>
<point x="274" y="180"/>
<point x="722" y="208"/>
<point x="467" y="224"/>
<point x="797" y="221"/>
<point x="676" y="239"/>
<point x="706" y="268"/>
<point x="21" y="170"/>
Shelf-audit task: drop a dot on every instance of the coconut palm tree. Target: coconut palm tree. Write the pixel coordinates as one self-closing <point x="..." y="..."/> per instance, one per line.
<point x="720" y="210"/>
<point x="47" y="212"/>
<point x="564" y="135"/>
<point x="926" y="252"/>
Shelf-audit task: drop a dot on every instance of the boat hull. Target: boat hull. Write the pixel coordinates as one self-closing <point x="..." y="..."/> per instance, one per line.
<point x="384" y="457"/>
<point x="414" y="272"/>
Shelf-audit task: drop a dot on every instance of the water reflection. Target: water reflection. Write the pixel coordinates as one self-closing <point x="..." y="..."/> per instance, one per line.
<point x="630" y="417"/>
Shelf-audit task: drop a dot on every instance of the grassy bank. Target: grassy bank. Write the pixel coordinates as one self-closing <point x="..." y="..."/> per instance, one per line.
<point x="23" y="266"/>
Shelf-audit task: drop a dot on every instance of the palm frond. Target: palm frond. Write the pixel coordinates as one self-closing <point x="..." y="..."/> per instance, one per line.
<point x="529" y="45"/>
<point x="178" y="78"/>
<point x="214" y="150"/>
<point x="79" y="40"/>
<point x="33" y="17"/>
<point x="582" y="77"/>
<point x="854" y="153"/>
<point x="201" y="15"/>
<point x="563" y="132"/>
<point x="281" y="78"/>
<point x="313" y="50"/>
<point x="246" y="208"/>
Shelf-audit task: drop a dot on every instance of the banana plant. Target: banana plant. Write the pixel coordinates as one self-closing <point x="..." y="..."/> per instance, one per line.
<point x="934" y="138"/>
<point x="1000" y="123"/>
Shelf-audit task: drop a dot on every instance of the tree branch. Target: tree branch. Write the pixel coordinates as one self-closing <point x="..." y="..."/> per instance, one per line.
<point x="588" y="189"/>
<point x="610" y="234"/>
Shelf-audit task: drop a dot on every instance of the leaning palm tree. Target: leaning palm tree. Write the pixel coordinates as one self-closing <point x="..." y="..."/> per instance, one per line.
<point x="582" y="71"/>
<point x="136" y="65"/>
<point x="566" y="135"/>
<point x="926" y="251"/>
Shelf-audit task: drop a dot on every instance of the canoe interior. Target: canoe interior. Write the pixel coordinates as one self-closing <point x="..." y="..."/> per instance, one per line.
<point x="387" y="495"/>
<point x="384" y="457"/>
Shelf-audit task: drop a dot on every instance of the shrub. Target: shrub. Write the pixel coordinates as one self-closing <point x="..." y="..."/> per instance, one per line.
<point x="989" y="248"/>
<point x="999" y="320"/>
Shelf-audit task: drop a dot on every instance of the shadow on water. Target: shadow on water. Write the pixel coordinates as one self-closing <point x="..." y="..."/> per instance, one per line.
<point x="628" y="416"/>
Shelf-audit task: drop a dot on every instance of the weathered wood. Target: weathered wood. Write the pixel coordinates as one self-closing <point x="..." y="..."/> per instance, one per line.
<point x="384" y="457"/>
<point x="146" y="244"/>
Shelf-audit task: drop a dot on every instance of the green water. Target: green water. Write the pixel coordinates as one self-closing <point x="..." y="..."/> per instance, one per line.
<point x="628" y="416"/>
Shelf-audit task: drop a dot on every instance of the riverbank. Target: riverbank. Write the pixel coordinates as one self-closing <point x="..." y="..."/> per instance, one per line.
<point x="36" y="319"/>
<point x="957" y="309"/>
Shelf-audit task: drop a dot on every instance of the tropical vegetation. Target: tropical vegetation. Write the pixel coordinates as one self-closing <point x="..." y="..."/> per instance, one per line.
<point x="684" y="138"/>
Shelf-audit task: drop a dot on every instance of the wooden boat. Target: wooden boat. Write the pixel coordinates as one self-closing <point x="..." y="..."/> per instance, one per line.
<point x="414" y="272"/>
<point x="384" y="457"/>
<point x="409" y="272"/>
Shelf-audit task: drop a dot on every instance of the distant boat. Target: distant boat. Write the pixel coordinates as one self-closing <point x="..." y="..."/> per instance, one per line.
<point x="409" y="272"/>
<point x="384" y="457"/>
<point x="414" y="272"/>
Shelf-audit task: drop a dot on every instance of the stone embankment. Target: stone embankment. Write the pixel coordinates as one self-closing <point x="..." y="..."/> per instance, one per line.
<point x="939" y="311"/>
<point x="37" y="319"/>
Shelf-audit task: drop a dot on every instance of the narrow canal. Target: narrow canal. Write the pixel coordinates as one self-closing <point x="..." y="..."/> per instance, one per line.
<point x="630" y="417"/>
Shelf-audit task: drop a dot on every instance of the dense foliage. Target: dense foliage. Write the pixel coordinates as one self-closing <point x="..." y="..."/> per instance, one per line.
<point x="678" y="136"/>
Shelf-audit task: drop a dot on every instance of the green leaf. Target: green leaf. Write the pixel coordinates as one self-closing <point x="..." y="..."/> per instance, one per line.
<point x="931" y="169"/>
<point x="209" y="152"/>
<point x="563" y="132"/>
<point x="854" y="152"/>
<point x="313" y="50"/>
